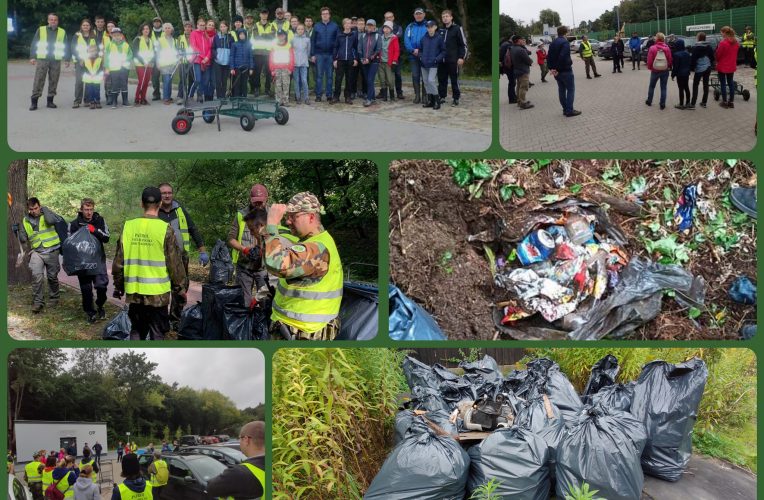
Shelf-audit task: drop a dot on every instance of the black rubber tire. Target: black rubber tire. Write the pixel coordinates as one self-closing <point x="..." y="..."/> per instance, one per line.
<point x="187" y="114"/>
<point x="247" y="121"/>
<point x="281" y="116"/>
<point x="208" y="115"/>
<point x="717" y="95"/>
<point x="181" y="124"/>
<point x="746" y="94"/>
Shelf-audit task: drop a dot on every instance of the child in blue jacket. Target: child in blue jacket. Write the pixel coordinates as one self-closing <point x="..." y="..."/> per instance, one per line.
<point x="432" y="53"/>
<point x="242" y="63"/>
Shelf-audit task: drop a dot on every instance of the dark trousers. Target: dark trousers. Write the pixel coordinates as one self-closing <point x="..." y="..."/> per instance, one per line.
<point x="398" y="79"/>
<point x="589" y="62"/>
<point x="92" y="93"/>
<point x="749" y="59"/>
<point x="448" y="71"/>
<point x="148" y="322"/>
<point x="79" y="87"/>
<point x="36" y="490"/>
<point x="186" y="72"/>
<point x="636" y="61"/>
<point x="156" y="492"/>
<point x="250" y="280"/>
<point x="119" y="456"/>
<point x="656" y="76"/>
<point x="726" y="82"/>
<point x="359" y="82"/>
<point x="566" y="90"/>
<point x="178" y="302"/>
<point x="696" y="82"/>
<point x="369" y="74"/>
<point x="240" y="80"/>
<point x="100" y="282"/>
<point x="261" y="68"/>
<point x="51" y="70"/>
<point x="155" y="85"/>
<point x="511" y="93"/>
<point x="683" y="82"/>
<point x="346" y="71"/>
<point x="617" y="63"/>
<point x="221" y="74"/>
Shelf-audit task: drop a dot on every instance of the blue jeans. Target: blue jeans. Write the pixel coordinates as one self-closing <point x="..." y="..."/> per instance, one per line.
<point x="369" y="74"/>
<point x="201" y="81"/>
<point x="300" y="77"/>
<point x="324" y="74"/>
<point x="167" y="86"/>
<point x="92" y="92"/>
<point x="654" y="77"/>
<point x="726" y="82"/>
<point x="416" y="71"/>
<point x="566" y="89"/>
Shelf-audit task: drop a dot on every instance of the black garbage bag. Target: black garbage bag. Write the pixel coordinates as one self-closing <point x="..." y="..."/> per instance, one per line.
<point x="221" y="265"/>
<point x="604" y="373"/>
<point x="359" y="312"/>
<point x="261" y="322"/>
<point x="214" y="298"/>
<point x="82" y="253"/>
<point x="191" y="323"/>
<point x="425" y="466"/>
<point x="419" y="374"/>
<point x="666" y="400"/>
<point x="548" y="379"/>
<point x="517" y="459"/>
<point x="119" y="327"/>
<point x="409" y="321"/>
<point x="542" y="417"/>
<point x="404" y="420"/>
<point x="602" y="449"/>
<point x="425" y="398"/>
<point x="237" y="321"/>
<point x="457" y="390"/>
<point x="443" y="374"/>
<point x="615" y="397"/>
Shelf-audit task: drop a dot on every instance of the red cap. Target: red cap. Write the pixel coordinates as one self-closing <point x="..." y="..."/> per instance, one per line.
<point x="259" y="193"/>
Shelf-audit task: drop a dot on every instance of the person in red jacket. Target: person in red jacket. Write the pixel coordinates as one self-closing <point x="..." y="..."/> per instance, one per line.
<point x="541" y="60"/>
<point x="659" y="61"/>
<point x="388" y="60"/>
<point x="201" y="47"/>
<point x="281" y="62"/>
<point x="726" y="65"/>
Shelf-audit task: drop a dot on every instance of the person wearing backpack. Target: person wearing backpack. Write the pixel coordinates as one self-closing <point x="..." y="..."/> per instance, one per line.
<point x="726" y="65"/>
<point x="159" y="475"/>
<point x="505" y="66"/>
<point x="659" y="62"/>
<point x="64" y="476"/>
<point x="701" y="62"/>
<point x="681" y="71"/>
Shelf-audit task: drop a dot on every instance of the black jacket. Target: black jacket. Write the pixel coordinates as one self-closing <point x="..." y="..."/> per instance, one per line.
<point x="456" y="43"/>
<point x="101" y="229"/>
<point x="237" y="481"/>
<point x="521" y="60"/>
<point x="699" y="50"/>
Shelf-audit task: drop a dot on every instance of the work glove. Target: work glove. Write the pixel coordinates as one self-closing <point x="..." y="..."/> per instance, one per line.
<point x="252" y="304"/>
<point x="117" y="294"/>
<point x="15" y="228"/>
<point x="246" y="251"/>
<point x="91" y="228"/>
<point x="204" y="258"/>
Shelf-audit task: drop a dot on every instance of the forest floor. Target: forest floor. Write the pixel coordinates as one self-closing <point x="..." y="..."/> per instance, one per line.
<point x="431" y="218"/>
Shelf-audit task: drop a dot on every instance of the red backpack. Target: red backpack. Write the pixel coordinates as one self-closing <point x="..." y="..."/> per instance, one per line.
<point x="53" y="493"/>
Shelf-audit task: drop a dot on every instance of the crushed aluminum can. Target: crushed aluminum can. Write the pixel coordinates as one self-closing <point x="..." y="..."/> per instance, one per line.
<point x="536" y="247"/>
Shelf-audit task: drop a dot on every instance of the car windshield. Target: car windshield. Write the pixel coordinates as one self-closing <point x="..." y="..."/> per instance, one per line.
<point x="205" y="468"/>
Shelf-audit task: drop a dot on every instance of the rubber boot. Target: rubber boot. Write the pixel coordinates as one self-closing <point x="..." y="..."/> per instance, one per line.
<point x="382" y="94"/>
<point x="417" y="98"/>
<point x="50" y="103"/>
<point x="124" y="98"/>
<point x="34" y="104"/>
<point x="436" y="102"/>
<point x="429" y="101"/>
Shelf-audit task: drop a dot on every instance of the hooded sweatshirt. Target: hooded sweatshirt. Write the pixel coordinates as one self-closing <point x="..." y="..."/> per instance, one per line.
<point x="86" y="489"/>
<point x="136" y="485"/>
<point x="635" y="44"/>
<point x="681" y="66"/>
<point x="241" y="53"/>
<point x="702" y="57"/>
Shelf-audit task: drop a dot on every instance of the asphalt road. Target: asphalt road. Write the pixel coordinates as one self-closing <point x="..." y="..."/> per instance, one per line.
<point x="318" y="128"/>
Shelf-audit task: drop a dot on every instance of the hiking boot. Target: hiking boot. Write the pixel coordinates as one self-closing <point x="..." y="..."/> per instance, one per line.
<point x="679" y="106"/>
<point x="417" y="95"/>
<point x="455" y="103"/>
<point x="34" y="104"/>
<point x="318" y="98"/>
<point x="744" y="199"/>
<point x="724" y="104"/>
<point x="731" y="104"/>
<point x="435" y="102"/>
<point x="575" y="112"/>
<point x="648" y="103"/>
<point x="429" y="101"/>
<point x="382" y="94"/>
<point x="37" y="308"/>
<point x="526" y="105"/>
<point x="50" y="103"/>
<point x="588" y="77"/>
<point x="597" y="75"/>
<point x="663" y="106"/>
<point x="125" y="102"/>
<point x="101" y="313"/>
<point x="331" y="100"/>
<point x="91" y="318"/>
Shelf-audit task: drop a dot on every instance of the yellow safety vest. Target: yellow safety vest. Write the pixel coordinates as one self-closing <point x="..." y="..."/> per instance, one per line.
<point x="282" y="25"/>
<point x="93" y="73"/>
<point x="145" y="51"/>
<point x="284" y="232"/>
<point x="82" y="47"/>
<point x="127" y="494"/>
<point x="59" y="48"/>
<point x="118" y="56"/>
<point x="64" y="486"/>
<point x="47" y="479"/>
<point x="45" y="235"/>
<point x="749" y="40"/>
<point x="167" y="54"/>
<point x="145" y="261"/>
<point x="183" y="44"/>
<point x="162" y="475"/>
<point x="587" y="49"/>
<point x="281" y="53"/>
<point x="33" y="472"/>
<point x="263" y="37"/>
<point x="185" y="239"/>
<point x="258" y="473"/>
<point x="93" y="475"/>
<point x="310" y="307"/>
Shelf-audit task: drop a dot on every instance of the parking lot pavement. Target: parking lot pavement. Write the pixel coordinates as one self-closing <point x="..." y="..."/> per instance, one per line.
<point x="615" y="118"/>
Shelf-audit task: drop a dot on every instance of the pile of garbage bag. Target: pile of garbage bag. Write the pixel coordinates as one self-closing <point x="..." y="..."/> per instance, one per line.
<point x="537" y="434"/>
<point x="570" y="276"/>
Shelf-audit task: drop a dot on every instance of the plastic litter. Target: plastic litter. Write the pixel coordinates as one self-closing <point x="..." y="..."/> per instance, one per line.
<point x="603" y="374"/>
<point x="404" y="420"/>
<point x="214" y="297"/>
<point x="542" y="417"/>
<point x="359" y="312"/>
<point x="119" y="327"/>
<point x="221" y="265"/>
<point x="685" y="207"/>
<point x="191" y="323"/>
<point x="666" y="400"/>
<point x="425" y="466"/>
<point x="602" y="449"/>
<point x="238" y="322"/>
<point x="743" y="291"/>
<point x="82" y="254"/>
<point x="419" y="374"/>
<point x="409" y="321"/>
<point x="548" y="379"/>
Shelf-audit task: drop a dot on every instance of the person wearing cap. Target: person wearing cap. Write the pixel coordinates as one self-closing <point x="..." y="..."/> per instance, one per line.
<point x="749" y="44"/>
<point x="412" y="39"/>
<point x="247" y="479"/>
<point x="389" y="54"/>
<point x="65" y="476"/>
<point x="49" y="48"/>
<point x="33" y="476"/>
<point x="456" y="53"/>
<point x="281" y="23"/>
<point x="148" y="267"/>
<point x="134" y="486"/>
<point x="345" y="61"/>
<point x="238" y="23"/>
<point x="398" y="32"/>
<point x="156" y="34"/>
<point x="432" y="52"/>
<point x="369" y="51"/>
<point x="321" y="49"/>
<point x="521" y="65"/>
<point x="117" y="63"/>
<point x="281" y="64"/>
<point x="263" y="37"/>
<point x="185" y="230"/>
<point x="309" y="291"/>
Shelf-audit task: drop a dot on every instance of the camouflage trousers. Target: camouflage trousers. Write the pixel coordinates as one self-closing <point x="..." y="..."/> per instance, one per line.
<point x="328" y="332"/>
<point x="281" y="82"/>
<point x="45" y="68"/>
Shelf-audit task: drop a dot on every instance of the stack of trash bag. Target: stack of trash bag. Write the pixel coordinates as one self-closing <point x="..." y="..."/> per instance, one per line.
<point x="603" y="374"/>
<point x="82" y="254"/>
<point x="119" y="327"/>
<point x="426" y="465"/>
<point x="409" y="321"/>
<point x="221" y="265"/>
<point x="191" y="323"/>
<point x="359" y="312"/>
<point x="404" y="420"/>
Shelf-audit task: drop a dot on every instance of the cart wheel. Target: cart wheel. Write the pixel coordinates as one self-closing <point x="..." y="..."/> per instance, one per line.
<point x="746" y="95"/>
<point x="208" y="115"/>
<point x="188" y="114"/>
<point x="181" y="124"/>
<point x="717" y="94"/>
<point x="281" y="116"/>
<point x="247" y="121"/>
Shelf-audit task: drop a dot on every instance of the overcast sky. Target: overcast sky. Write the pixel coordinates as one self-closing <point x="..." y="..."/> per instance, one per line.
<point x="238" y="373"/>
<point x="583" y="10"/>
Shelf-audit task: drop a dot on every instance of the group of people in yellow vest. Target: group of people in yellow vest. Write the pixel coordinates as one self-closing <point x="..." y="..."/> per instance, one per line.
<point x="51" y="476"/>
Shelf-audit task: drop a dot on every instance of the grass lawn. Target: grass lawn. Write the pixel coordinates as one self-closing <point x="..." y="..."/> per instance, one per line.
<point x="737" y="446"/>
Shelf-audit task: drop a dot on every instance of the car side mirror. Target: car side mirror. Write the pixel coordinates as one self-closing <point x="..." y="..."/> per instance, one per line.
<point x="189" y="479"/>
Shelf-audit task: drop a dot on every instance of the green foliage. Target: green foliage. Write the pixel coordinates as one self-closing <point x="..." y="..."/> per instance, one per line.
<point x="507" y="191"/>
<point x="576" y="188"/>
<point x="445" y="261"/>
<point x="612" y="173"/>
<point x="668" y="250"/>
<point x="582" y="493"/>
<point x="735" y="445"/>
<point x="487" y="491"/>
<point x="469" y="355"/>
<point x="332" y="412"/>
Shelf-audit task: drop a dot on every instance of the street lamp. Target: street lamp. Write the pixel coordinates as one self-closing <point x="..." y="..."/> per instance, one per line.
<point x="572" y="14"/>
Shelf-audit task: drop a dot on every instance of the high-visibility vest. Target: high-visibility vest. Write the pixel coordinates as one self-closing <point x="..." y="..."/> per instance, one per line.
<point x="263" y="37"/>
<point x="258" y="473"/>
<point x="587" y="49"/>
<point x="282" y="25"/>
<point x="33" y="472"/>
<point x="93" y="71"/>
<point x="310" y="307"/>
<point x="64" y="486"/>
<point x="145" y="261"/>
<point x="181" y="232"/>
<point x="45" y="235"/>
<point x="118" y="56"/>
<point x="93" y="475"/>
<point x="185" y="47"/>
<point x="167" y="54"/>
<point x="127" y="494"/>
<point x="162" y="474"/>
<point x="281" y="54"/>
<point x="749" y="40"/>
<point x="47" y="479"/>
<point x="82" y="47"/>
<point x="59" y="48"/>
<point x="145" y="51"/>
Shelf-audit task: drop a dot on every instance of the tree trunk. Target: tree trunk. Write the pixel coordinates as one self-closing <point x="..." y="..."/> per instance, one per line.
<point x="211" y="9"/>
<point x="429" y="7"/>
<point x="154" y="6"/>
<point x="17" y="195"/>
<point x="182" y="10"/>
<point x="190" y="12"/>
<point x="240" y="7"/>
<point x="461" y="6"/>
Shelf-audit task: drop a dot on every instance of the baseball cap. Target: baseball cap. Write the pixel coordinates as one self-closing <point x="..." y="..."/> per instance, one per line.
<point x="305" y="202"/>
<point x="419" y="10"/>
<point x="116" y="30"/>
<point x="516" y="38"/>
<point x="372" y="22"/>
<point x="388" y="24"/>
<point x="157" y="18"/>
<point x="151" y="194"/>
<point x="431" y="23"/>
<point x="259" y="192"/>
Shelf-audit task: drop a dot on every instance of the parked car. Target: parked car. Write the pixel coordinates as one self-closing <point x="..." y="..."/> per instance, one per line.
<point x="222" y="437"/>
<point x="231" y="443"/>
<point x="209" y="440"/>
<point x="189" y="475"/>
<point x="576" y="44"/>
<point x="17" y="490"/>
<point x="690" y="41"/>
<point x="190" y="440"/>
<point x="223" y="454"/>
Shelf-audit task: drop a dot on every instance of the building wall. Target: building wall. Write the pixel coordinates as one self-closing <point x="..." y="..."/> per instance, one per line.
<point x="35" y="436"/>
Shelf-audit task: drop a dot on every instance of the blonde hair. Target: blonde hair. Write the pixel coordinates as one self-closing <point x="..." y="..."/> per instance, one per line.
<point x="87" y="470"/>
<point x="660" y="36"/>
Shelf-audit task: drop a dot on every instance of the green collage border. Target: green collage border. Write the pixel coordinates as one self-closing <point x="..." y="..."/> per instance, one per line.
<point x="382" y="160"/>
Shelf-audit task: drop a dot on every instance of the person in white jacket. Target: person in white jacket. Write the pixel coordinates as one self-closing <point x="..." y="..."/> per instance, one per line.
<point x="85" y="488"/>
